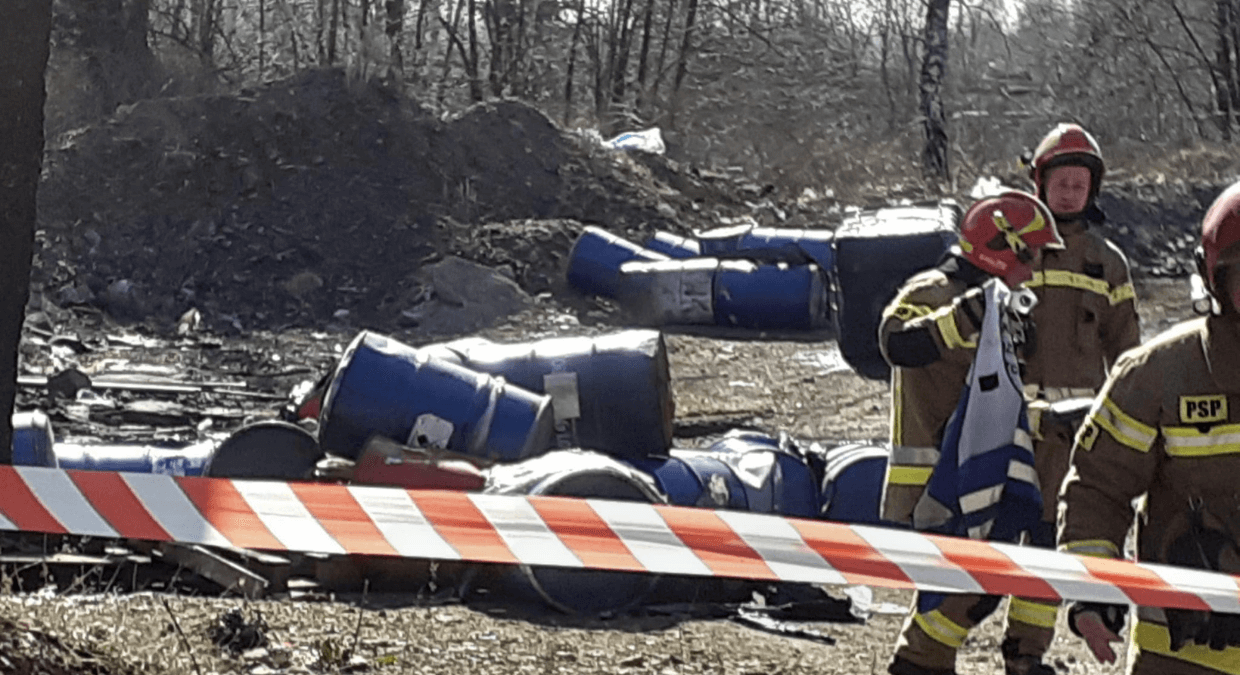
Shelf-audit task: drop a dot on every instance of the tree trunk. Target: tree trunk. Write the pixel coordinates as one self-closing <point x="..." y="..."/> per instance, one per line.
<point x="644" y="55"/>
<point x="394" y="11"/>
<point x="572" y="62"/>
<point x="25" y="29"/>
<point x="1225" y="83"/>
<point x="686" y="46"/>
<point x="667" y="38"/>
<point x="334" y="25"/>
<point x="933" y="70"/>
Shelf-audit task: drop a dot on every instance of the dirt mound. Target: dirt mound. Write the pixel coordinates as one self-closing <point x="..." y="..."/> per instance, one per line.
<point x="286" y="204"/>
<point x="25" y="650"/>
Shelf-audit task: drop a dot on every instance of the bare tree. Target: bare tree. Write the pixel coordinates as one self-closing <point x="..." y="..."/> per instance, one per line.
<point x="25" y="29"/>
<point x="933" y="72"/>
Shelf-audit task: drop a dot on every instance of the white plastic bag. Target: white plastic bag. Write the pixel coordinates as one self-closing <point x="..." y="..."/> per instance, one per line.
<point x="648" y="140"/>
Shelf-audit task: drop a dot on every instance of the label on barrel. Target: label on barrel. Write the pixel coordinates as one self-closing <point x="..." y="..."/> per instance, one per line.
<point x="430" y="431"/>
<point x="562" y="388"/>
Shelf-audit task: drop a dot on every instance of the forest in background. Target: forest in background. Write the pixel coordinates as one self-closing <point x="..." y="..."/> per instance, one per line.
<point x="818" y="94"/>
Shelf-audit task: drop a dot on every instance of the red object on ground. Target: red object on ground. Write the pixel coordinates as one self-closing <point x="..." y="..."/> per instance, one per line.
<point x="417" y="474"/>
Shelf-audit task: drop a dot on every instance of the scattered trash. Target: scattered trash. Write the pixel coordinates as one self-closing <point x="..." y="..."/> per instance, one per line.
<point x="235" y="633"/>
<point x="648" y="140"/>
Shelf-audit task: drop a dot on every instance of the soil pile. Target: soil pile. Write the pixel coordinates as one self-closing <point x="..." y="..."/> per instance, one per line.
<point x="283" y="205"/>
<point x="26" y="650"/>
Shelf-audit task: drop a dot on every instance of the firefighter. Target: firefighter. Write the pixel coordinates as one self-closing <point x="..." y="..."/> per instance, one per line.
<point x="1084" y="319"/>
<point x="1164" y="427"/>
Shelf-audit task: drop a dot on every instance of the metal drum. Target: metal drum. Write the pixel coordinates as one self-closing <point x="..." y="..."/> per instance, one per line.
<point x="673" y="246"/>
<point x="770" y="244"/>
<point x="386" y="388"/>
<point x="577" y="473"/>
<point x="744" y="471"/>
<point x="271" y="450"/>
<point x="875" y="253"/>
<point x="852" y="489"/>
<point x="771" y="297"/>
<point x="722" y="241"/>
<point x="817" y="245"/>
<point x="673" y="292"/>
<point x="33" y="440"/>
<point x="610" y="393"/>
<point x="190" y="460"/>
<point x="594" y="263"/>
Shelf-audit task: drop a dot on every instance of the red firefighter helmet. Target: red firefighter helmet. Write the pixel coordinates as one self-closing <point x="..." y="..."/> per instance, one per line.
<point x="1005" y="230"/>
<point x="1220" y="231"/>
<point x="1067" y="144"/>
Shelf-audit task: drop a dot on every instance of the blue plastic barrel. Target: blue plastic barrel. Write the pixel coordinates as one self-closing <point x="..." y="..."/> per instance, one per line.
<point x="875" y="253"/>
<point x="594" y="262"/>
<point x="190" y="460"/>
<point x="33" y="440"/>
<point x="817" y="245"/>
<point x="610" y="393"/>
<point x="674" y="246"/>
<point x="385" y="387"/>
<point x="577" y="473"/>
<point x="746" y="471"/>
<point x="672" y="292"/>
<point x="770" y="244"/>
<point x="722" y="240"/>
<point x="771" y="297"/>
<point x="852" y="487"/>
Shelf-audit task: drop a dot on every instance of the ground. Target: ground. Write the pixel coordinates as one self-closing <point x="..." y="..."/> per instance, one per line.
<point x="245" y="239"/>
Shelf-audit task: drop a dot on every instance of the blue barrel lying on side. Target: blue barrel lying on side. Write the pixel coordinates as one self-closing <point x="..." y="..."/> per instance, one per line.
<point x="722" y="241"/>
<point x="577" y="473"/>
<point x="672" y="292"/>
<point x="594" y="262"/>
<point x="386" y="388"/>
<point x="818" y="245"/>
<point x="674" y="246"/>
<point x="771" y="297"/>
<point x="33" y="440"/>
<point x="852" y="487"/>
<point x="743" y="471"/>
<point x="610" y="393"/>
<point x="737" y="293"/>
<point x="875" y="253"/>
<point x="770" y="244"/>
<point x="191" y="460"/>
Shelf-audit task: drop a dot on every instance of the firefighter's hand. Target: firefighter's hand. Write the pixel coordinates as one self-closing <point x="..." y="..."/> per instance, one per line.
<point x="1097" y="636"/>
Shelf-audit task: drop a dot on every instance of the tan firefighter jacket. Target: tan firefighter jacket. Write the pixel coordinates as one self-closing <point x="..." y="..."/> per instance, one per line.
<point x="1167" y="426"/>
<point x="1085" y="318"/>
<point x="928" y="334"/>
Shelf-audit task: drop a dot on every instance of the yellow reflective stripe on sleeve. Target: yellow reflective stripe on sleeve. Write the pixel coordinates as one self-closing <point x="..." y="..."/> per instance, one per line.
<point x="1033" y="613"/>
<point x="907" y="311"/>
<point x="1153" y="638"/>
<point x="950" y="332"/>
<point x="941" y="629"/>
<point x="1066" y="279"/>
<point x="1124" y="428"/>
<point x="1222" y="439"/>
<point x="909" y="475"/>
<point x="897" y="406"/>
<point x="1122" y="293"/>
<point x="1094" y="548"/>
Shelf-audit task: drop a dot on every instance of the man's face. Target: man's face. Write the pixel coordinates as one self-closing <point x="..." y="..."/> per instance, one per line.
<point x="1067" y="189"/>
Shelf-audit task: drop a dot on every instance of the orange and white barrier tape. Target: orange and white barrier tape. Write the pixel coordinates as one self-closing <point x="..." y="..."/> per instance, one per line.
<point x="580" y="533"/>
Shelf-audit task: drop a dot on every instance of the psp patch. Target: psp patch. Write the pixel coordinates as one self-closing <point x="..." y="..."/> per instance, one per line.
<point x="1203" y="409"/>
